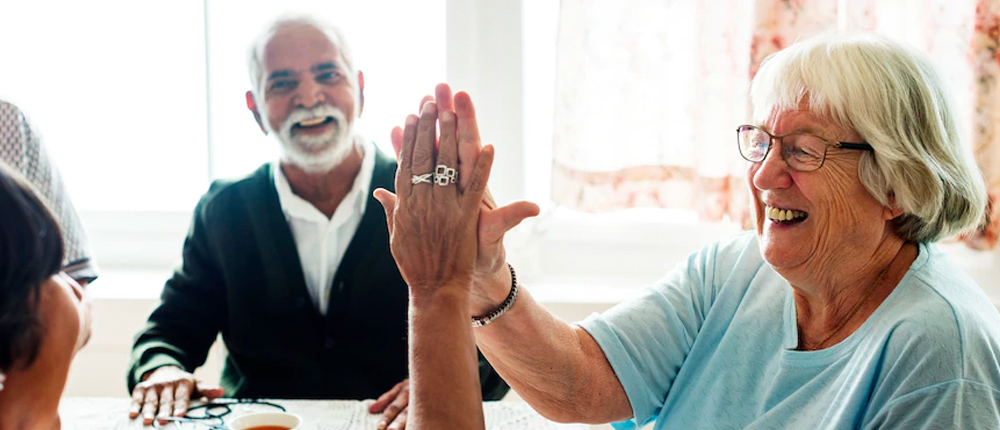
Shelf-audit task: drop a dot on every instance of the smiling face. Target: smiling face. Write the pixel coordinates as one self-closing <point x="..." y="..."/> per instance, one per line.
<point x="833" y="216"/>
<point x="307" y="97"/>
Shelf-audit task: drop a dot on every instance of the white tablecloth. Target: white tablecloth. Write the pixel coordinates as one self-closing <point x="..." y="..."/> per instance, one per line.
<point x="105" y="413"/>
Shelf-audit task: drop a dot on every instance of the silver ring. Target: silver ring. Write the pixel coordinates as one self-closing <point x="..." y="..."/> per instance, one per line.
<point x="419" y="179"/>
<point x="444" y="175"/>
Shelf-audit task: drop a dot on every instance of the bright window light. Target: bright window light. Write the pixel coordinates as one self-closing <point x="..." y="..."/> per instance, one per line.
<point x="141" y="108"/>
<point x="402" y="55"/>
<point x="116" y="90"/>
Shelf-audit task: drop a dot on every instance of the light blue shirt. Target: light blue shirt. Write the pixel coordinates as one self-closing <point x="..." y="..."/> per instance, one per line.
<point x="711" y="346"/>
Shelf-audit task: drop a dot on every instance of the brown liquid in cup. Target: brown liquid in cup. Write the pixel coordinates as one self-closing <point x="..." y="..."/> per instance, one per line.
<point x="269" y="428"/>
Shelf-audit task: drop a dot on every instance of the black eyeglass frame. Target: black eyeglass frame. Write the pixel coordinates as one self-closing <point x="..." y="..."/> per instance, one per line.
<point x="770" y="144"/>
<point x="212" y="415"/>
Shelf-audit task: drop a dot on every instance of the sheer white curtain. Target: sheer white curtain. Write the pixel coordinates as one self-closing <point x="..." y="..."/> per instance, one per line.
<point x="649" y="92"/>
<point x="648" y="97"/>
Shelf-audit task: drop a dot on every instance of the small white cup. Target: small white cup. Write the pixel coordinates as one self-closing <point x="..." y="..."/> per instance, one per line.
<point x="249" y="421"/>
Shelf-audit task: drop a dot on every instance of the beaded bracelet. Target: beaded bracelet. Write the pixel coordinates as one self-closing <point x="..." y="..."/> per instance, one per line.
<point x="504" y="307"/>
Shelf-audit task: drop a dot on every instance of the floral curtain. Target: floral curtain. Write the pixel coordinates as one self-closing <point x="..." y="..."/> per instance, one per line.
<point x="985" y="59"/>
<point x="649" y="92"/>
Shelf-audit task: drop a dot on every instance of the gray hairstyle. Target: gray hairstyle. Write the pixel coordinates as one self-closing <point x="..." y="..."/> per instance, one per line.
<point x="255" y="62"/>
<point x="892" y="96"/>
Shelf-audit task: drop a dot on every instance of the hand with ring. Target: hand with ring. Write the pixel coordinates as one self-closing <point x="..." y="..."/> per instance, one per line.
<point x="491" y="281"/>
<point x="433" y="226"/>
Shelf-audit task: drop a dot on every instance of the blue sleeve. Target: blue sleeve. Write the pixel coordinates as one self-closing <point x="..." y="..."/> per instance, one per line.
<point x="958" y="404"/>
<point x="647" y="339"/>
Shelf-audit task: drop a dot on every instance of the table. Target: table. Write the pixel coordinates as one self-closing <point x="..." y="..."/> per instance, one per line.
<point x="110" y="413"/>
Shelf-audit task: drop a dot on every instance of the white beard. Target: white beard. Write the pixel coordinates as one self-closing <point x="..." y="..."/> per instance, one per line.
<point x="316" y="154"/>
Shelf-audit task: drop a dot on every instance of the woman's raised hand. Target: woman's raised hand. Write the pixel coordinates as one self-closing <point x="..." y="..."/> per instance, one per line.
<point x="433" y="218"/>
<point x="491" y="277"/>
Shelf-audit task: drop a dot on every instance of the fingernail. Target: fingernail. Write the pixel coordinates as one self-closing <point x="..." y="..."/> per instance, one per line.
<point x="411" y="120"/>
<point x="429" y="107"/>
<point x="381" y="425"/>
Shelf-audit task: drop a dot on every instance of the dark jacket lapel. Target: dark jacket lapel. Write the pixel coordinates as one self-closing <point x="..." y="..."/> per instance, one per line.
<point x="371" y="238"/>
<point x="279" y="256"/>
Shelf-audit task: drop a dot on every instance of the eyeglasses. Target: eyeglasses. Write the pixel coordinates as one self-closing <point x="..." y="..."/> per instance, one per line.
<point x="209" y="415"/>
<point x="802" y="151"/>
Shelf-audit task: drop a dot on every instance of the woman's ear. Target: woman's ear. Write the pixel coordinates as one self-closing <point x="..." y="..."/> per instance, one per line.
<point x="892" y="211"/>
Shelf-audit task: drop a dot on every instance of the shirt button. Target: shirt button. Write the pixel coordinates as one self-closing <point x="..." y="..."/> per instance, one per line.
<point x="329" y="342"/>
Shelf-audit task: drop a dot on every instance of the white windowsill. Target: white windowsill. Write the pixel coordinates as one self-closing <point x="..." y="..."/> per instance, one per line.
<point x="146" y="284"/>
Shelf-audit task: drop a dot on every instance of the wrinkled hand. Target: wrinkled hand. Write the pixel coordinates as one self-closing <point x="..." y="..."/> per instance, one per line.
<point x="432" y="228"/>
<point x="491" y="281"/>
<point x="167" y="392"/>
<point x="393" y="407"/>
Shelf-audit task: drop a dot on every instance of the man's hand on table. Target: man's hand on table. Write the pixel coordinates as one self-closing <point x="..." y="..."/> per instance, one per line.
<point x="392" y="405"/>
<point x="167" y="392"/>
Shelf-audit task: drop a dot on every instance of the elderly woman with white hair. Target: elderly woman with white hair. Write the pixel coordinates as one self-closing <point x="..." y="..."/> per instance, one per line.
<point x="838" y="312"/>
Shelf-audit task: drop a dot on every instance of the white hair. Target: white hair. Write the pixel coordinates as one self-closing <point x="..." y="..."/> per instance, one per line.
<point x="255" y="55"/>
<point x="892" y="96"/>
<point x="314" y="154"/>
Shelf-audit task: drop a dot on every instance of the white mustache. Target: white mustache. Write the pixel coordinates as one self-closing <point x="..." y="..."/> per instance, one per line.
<point x="301" y="114"/>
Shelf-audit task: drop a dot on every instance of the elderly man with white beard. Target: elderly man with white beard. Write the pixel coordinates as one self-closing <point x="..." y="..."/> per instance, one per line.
<point x="291" y="264"/>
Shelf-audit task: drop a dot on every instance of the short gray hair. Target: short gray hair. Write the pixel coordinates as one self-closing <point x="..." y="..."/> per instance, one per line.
<point x="892" y="96"/>
<point x="255" y="60"/>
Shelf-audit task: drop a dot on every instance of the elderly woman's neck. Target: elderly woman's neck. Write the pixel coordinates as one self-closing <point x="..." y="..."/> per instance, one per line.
<point x="834" y="300"/>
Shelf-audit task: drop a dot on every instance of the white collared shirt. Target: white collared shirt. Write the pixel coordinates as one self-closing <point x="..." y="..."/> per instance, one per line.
<point x="322" y="241"/>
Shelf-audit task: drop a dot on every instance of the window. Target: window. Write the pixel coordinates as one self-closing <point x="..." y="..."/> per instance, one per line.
<point x="116" y="89"/>
<point x="141" y="104"/>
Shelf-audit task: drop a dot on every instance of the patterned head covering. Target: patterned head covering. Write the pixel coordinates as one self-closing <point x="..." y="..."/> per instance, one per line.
<point x="21" y="149"/>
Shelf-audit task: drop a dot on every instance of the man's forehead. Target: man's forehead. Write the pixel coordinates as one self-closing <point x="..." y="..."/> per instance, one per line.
<point x="299" y="48"/>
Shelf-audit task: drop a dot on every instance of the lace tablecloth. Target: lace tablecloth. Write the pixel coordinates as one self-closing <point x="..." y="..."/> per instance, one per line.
<point x="104" y="413"/>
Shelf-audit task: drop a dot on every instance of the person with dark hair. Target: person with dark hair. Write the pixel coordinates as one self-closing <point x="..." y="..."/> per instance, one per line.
<point x="21" y="148"/>
<point x="44" y="319"/>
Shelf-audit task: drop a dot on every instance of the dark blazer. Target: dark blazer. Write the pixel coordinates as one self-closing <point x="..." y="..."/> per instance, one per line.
<point x="241" y="277"/>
